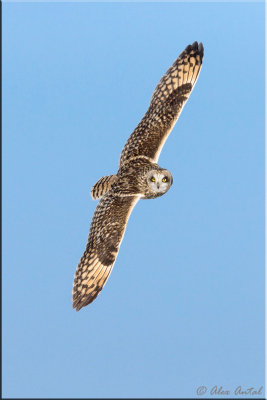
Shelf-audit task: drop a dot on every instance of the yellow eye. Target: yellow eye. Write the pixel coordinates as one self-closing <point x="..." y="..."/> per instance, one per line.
<point x="164" y="179"/>
<point x="153" y="179"/>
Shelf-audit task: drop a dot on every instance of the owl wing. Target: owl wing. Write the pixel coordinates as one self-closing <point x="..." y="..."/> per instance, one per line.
<point x="106" y="233"/>
<point x="168" y="99"/>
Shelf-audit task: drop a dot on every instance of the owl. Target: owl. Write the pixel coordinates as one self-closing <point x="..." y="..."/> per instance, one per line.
<point x="138" y="176"/>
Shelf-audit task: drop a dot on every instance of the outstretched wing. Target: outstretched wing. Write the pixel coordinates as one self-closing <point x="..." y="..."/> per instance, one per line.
<point x="106" y="233"/>
<point x="166" y="104"/>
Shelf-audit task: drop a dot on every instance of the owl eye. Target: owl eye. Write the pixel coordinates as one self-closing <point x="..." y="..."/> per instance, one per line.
<point x="165" y="179"/>
<point x="153" y="179"/>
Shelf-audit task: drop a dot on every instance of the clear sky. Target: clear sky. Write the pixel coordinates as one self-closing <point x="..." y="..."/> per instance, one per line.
<point x="184" y="305"/>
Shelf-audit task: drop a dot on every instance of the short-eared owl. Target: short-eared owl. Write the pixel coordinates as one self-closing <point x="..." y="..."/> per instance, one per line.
<point x="138" y="177"/>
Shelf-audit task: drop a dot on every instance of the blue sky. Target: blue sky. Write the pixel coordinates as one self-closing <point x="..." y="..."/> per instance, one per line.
<point x="184" y="305"/>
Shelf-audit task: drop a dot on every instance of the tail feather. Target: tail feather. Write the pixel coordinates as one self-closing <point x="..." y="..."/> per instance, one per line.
<point x="102" y="186"/>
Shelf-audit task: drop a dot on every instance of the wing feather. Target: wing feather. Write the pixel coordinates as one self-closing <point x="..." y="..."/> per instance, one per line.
<point x="168" y="99"/>
<point x="106" y="233"/>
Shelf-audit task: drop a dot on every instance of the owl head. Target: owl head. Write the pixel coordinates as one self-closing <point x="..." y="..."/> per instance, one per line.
<point x="158" y="181"/>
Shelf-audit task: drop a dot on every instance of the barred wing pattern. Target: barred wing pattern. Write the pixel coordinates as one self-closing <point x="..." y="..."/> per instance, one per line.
<point x="166" y="104"/>
<point x="106" y="233"/>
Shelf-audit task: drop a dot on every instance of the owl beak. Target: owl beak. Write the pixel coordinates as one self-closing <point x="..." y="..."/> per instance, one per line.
<point x="158" y="185"/>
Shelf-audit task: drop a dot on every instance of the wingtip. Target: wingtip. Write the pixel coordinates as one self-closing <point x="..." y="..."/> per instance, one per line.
<point x="201" y="48"/>
<point x="197" y="47"/>
<point x="76" y="306"/>
<point x="79" y="303"/>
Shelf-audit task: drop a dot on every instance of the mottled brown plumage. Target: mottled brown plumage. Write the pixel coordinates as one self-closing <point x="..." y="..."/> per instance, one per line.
<point x="106" y="232"/>
<point x="167" y="101"/>
<point x="138" y="176"/>
<point x="102" y="186"/>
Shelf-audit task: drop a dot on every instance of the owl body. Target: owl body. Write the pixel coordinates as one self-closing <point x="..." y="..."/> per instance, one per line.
<point x="135" y="177"/>
<point x="138" y="177"/>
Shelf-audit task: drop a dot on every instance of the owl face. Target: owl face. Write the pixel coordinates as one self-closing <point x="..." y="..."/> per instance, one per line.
<point x="159" y="182"/>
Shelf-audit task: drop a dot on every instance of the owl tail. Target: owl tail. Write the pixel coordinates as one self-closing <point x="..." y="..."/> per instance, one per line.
<point x="102" y="186"/>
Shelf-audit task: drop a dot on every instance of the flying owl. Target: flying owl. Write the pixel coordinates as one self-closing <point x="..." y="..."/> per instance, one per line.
<point x="138" y="177"/>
